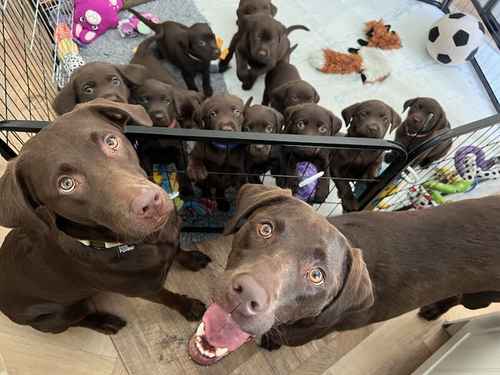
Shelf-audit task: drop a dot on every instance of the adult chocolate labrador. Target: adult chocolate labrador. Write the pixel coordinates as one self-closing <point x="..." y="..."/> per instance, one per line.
<point x="99" y="80"/>
<point x="215" y="165"/>
<point x="146" y="56"/>
<point x="260" y="43"/>
<point x="259" y="158"/>
<point x="86" y="220"/>
<point x="294" y="276"/>
<point x="368" y="119"/>
<point x="191" y="49"/>
<point x="297" y="163"/>
<point x="286" y="88"/>
<point x="426" y="118"/>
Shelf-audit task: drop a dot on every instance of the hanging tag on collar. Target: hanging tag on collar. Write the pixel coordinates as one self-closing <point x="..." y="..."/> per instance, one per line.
<point x="125" y="249"/>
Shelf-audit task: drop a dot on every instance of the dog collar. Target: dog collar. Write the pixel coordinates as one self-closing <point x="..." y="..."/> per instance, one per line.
<point x="417" y="135"/>
<point x="193" y="57"/>
<point x="119" y="247"/>
<point x="225" y="146"/>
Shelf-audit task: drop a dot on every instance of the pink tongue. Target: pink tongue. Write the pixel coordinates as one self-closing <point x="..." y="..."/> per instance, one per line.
<point x="221" y="331"/>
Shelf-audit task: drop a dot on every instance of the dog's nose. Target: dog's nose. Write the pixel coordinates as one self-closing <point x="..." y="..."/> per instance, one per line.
<point x="227" y="127"/>
<point x="158" y="115"/>
<point x="113" y="97"/>
<point x="252" y="296"/>
<point x="149" y="204"/>
<point x="263" y="53"/>
<point x="372" y="128"/>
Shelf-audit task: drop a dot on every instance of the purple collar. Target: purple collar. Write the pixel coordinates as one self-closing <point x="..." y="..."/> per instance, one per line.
<point x="225" y="146"/>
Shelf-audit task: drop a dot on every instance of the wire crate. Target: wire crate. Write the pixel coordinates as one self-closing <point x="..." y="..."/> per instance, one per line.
<point x="30" y="72"/>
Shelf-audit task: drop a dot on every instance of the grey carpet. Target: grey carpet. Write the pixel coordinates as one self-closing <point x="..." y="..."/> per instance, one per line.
<point x="111" y="47"/>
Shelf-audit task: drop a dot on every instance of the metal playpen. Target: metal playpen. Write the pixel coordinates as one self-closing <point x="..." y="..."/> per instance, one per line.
<point x="30" y="68"/>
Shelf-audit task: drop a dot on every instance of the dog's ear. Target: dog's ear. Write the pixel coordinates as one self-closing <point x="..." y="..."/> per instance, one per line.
<point x="355" y="295"/>
<point x="289" y="114"/>
<point x="440" y="120"/>
<point x="335" y="122"/>
<point x="119" y="114"/>
<point x="395" y="120"/>
<point x="251" y="197"/>
<point x="316" y="97"/>
<point x="279" y="120"/>
<point x="248" y="103"/>
<point x="65" y="100"/>
<point x="278" y="95"/>
<point x="348" y="113"/>
<point x="200" y="115"/>
<point x="409" y="103"/>
<point x="133" y="73"/>
<point x="274" y="10"/>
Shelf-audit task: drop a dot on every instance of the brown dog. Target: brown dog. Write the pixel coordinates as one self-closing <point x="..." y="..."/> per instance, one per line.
<point x="259" y="158"/>
<point x="369" y="119"/>
<point x="146" y="56"/>
<point x="260" y="43"/>
<point x="99" y="80"/>
<point x="248" y="7"/>
<point x="425" y="119"/>
<point x="211" y="164"/>
<point x="285" y="87"/>
<point x="76" y="191"/>
<point x="308" y="120"/>
<point x="191" y="49"/>
<point x="296" y="276"/>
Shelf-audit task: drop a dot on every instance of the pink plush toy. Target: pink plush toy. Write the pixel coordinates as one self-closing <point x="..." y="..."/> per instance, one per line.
<point x="93" y="18"/>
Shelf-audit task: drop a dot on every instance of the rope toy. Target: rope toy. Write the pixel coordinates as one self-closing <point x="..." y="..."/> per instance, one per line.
<point x="472" y="165"/>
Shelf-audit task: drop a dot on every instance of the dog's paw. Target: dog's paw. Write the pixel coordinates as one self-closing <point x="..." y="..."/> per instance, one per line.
<point x="193" y="310"/>
<point x="194" y="260"/>
<point x="105" y="323"/>
<point x="431" y="312"/>
<point x="270" y="342"/>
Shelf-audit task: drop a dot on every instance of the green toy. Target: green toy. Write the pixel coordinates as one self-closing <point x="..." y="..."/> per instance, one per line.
<point x="444" y="183"/>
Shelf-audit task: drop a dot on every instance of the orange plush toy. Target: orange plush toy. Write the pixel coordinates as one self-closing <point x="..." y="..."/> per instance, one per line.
<point x="380" y="36"/>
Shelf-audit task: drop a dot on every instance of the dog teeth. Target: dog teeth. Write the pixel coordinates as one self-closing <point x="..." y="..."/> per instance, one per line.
<point x="203" y="351"/>
<point x="201" y="329"/>
<point x="219" y="352"/>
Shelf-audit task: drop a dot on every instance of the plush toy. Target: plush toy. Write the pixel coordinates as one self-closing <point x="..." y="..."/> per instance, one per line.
<point x="198" y="208"/>
<point x="93" y="18"/>
<point x="223" y="51"/>
<point x="455" y="38"/>
<point x="67" y="52"/>
<point x="380" y="36"/>
<point x="369" y="62"/>
<point x="420" y="198"/>
<point x="309" y="176"/>
<point x="472" y="165"/>
<point x="166" y="177"/>
<point x="132" y="26"/>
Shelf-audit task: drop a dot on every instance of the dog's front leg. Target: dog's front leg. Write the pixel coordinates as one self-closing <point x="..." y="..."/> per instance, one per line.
<point x="189" y="79"/>
<point x="207" y="87"/>
<point x="190" y="308"/>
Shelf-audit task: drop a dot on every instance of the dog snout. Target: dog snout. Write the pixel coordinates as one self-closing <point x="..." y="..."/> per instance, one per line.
<point x="113" y="97"/>
<point x="373" y="128"/>
<point x="149" y="204"/>
<point x="158" y="115"/>
<point x="251" y="297"/>
<point x="263" y="53"/>
<point x="417" y="118"/>
<point x="227" y="126"/>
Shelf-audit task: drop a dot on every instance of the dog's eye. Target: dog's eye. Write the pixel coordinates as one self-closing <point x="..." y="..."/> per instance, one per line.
<point x="316" y="276"/>
<point x="269" y="128"/>
<point x="236" y="112"/>
<point x="164" y="99"/>
<point x="294" y="98"/>
<point x="115" y="81"/>
<point x="323" y="129"/>
<point x="202" y="43"/>
<point x="89" y="90"/>
<point x="112" y="142"/>
<point x="213" y="114"/>
<point x="300" y="125"/>
<point x="66" y="184"/>
<point x="265" y="230"/>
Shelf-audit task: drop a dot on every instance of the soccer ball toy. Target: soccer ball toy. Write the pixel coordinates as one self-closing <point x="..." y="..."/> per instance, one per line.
<point x="455" y="38"/>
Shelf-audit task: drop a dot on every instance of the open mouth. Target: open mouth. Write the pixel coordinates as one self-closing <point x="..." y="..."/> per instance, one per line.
<point x="217" y="336"/>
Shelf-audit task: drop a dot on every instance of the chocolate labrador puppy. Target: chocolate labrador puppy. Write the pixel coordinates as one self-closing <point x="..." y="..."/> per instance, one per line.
<point x="294" y="276"/>
<point x="285" y="87"/>
<point x="86" y="220"/>
<point x="248" y="7"/>
<point x="425" y="119"/>
<point x="146" y="56"/>
<point x="163" y="104"/>
<point x="259" y="158"/>
<point x="191" y="49"/>
<point x="260" y="43"/>
<point x="211" y="164"/>
<point x="369" y="119"/>
<point x="99" y="80"/>
<point x="308" y="120"/>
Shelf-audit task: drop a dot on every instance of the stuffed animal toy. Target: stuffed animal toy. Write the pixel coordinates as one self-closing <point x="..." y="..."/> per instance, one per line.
<point x="380" y="36"/>
<point x="67" y="51"/>
<point x="93" y="18"/>
<point x="132" y="26"/>
<point x="307" y="187"/>
<point x="472" y="165"/>
<point x="420" y="198"/>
